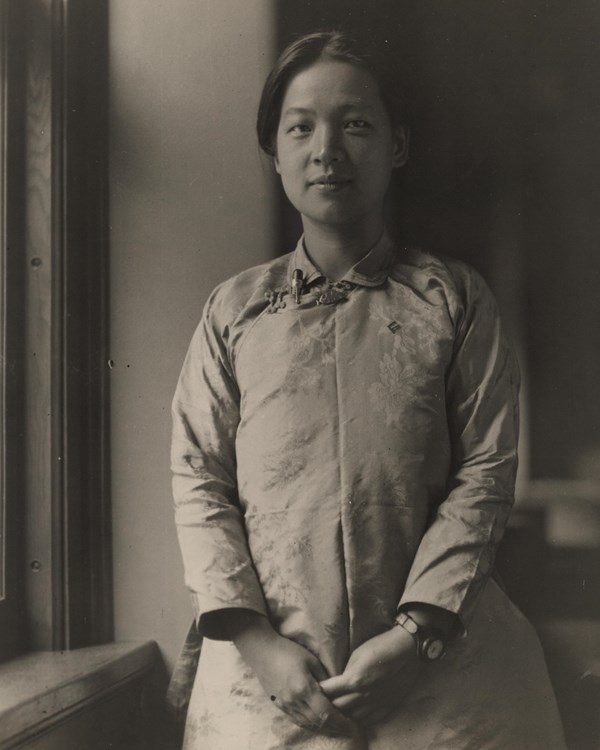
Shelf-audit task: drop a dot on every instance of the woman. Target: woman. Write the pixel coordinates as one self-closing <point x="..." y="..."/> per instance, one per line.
<point x="344" y="454"/>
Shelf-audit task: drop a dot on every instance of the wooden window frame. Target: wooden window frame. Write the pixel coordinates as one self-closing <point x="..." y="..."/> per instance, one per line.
<point x="59" y="507"/>
<point x="12" y="322"/>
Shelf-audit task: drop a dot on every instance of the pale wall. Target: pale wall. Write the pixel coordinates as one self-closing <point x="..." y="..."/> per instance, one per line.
<point x="190" y="205"/>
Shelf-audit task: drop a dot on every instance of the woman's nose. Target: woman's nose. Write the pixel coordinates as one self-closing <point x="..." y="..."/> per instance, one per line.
<point x="327" y="148"/>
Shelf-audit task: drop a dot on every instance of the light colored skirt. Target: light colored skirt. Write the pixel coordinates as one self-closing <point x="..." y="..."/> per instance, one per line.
<point x="491" y="692"/>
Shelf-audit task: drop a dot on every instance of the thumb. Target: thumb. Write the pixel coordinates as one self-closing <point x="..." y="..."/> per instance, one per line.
<point x="333" y="687"/>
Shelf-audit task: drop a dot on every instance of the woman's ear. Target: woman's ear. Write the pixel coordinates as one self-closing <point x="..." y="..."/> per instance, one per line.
<point x="276" y="163"/>
<point x="401" y="142"/>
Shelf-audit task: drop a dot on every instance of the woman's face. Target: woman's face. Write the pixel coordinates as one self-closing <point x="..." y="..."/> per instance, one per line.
<point x="335" y="147"/>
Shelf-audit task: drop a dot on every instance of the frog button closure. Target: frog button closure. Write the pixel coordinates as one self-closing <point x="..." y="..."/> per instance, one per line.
<point x="336" y="293"/>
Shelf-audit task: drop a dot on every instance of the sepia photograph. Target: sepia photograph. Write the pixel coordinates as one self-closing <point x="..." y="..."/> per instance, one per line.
<point x="300" y="375"/>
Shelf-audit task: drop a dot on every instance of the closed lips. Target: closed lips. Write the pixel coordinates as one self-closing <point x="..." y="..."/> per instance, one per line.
<point x="329" y="180"/>
<point x="330" y="183"/>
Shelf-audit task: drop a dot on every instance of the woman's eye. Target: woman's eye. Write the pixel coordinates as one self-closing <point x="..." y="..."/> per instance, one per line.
<point x="358" y="125"/>
<point x="299" y="129"/>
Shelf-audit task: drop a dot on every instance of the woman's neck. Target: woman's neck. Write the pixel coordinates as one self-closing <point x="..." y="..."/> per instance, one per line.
<point x="335" y="249"/>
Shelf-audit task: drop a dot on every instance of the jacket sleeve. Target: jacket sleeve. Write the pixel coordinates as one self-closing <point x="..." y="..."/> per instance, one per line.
<point x="218" y="567"/>
<point x="456" y="554"/>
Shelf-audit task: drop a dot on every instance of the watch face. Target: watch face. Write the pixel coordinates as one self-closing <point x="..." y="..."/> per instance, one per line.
<point x="433" y="648"/>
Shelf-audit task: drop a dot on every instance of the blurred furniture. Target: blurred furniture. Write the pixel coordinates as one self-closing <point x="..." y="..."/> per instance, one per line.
<point x="549" y="562"/>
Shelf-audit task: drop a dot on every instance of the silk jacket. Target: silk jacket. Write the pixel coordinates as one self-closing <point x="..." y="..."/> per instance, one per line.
<point x="337" y="456"/>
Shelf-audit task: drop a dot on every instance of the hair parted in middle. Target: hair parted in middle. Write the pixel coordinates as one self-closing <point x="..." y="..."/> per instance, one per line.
<point x="338" y="45"/>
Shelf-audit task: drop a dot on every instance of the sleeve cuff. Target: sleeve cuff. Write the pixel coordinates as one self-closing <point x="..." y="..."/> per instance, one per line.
<point x="207" y="617"/>
<point x="447" y="603"/>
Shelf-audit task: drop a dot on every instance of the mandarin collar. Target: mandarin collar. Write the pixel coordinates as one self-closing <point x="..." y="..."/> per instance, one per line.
<point x="371" y="270"/>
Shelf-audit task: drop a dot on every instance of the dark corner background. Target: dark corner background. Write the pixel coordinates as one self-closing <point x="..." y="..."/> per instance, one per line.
<point x="505" y="158"/>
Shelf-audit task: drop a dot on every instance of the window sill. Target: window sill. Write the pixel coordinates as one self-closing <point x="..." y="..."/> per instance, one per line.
<point x="41" y="690"/>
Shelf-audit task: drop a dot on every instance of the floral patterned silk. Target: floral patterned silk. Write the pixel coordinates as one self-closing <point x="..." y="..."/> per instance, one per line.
<point x="335" y="461"/>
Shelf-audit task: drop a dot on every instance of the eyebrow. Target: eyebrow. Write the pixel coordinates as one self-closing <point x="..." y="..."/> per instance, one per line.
<point x="308" y="111"/>
<point x="297" y="111"/>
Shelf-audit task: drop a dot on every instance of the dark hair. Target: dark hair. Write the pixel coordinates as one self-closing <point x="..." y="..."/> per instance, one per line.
<point x="333" y="45"/>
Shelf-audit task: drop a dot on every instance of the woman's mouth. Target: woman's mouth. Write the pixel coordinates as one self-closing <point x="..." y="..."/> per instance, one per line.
<point x="330" y="185"/>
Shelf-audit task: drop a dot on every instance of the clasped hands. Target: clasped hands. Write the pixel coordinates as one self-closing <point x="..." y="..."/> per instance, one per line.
<point x="377" y="678"/>
<point x="374" y="683"/>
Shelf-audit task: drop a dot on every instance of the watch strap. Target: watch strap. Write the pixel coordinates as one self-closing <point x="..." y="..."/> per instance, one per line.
<point x="430" y="642"/>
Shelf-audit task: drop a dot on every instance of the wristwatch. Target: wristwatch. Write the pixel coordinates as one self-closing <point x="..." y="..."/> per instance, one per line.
<point x="431" y="643"/>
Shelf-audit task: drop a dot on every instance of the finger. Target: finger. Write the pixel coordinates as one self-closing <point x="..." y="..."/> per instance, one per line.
<point x="359" y="710"/>
<point x="347" y="701"/>
<point x="363" y="713"/>
<point x="375" y="717"/>
<point x="328" y="716"/>
<point x="336" y="725"/>
<point x="334" y="687"/>
<point x="313" y="711"/>
<point x="317" y="670"/>
<point x="333" y="723"/>
<point x="299" y="717"/>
